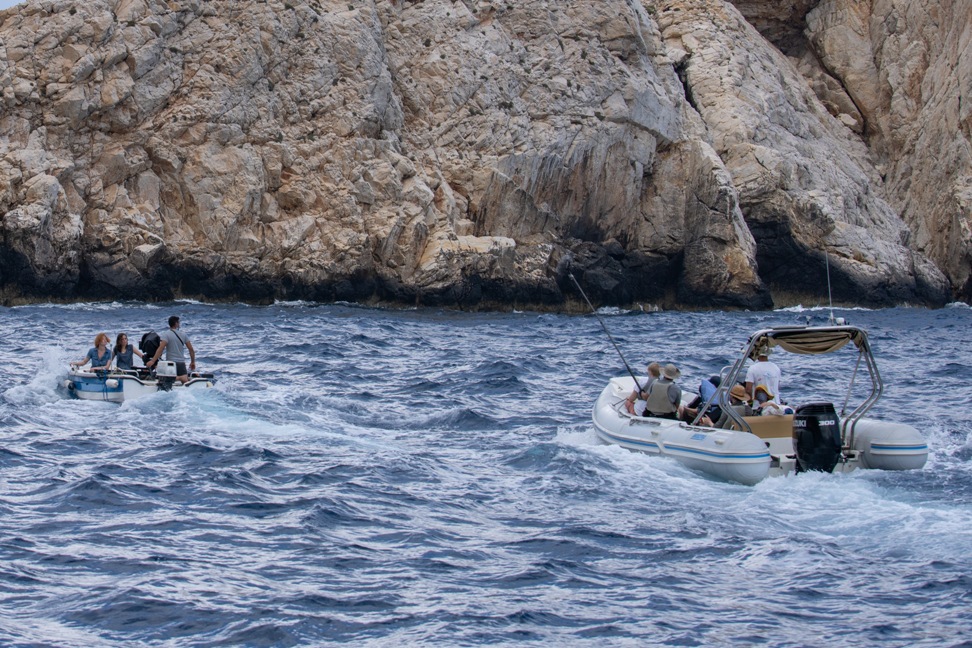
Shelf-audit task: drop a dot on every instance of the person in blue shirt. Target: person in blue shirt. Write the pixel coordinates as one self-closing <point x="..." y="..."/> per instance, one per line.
<point x="100" y="355"/>
<point x="706" y="389"/>
<point x="124" y="353"/>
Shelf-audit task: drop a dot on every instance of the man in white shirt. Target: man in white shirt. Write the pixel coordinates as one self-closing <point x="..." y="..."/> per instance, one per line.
<point x="765" y="373"/>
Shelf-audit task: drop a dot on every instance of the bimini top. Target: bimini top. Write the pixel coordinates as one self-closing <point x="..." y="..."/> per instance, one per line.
<point x="807" y="340"/>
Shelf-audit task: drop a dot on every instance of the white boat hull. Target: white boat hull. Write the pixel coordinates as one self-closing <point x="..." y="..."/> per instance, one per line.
<point x="743" y="457"/>
<point x="724" y="454"/>
<point x="118" y="387"/>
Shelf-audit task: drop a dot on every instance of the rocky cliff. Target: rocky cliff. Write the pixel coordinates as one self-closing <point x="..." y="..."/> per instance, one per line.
<point x="473" y="152"/>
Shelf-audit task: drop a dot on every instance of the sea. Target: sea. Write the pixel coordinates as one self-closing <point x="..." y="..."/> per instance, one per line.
<point x="426" y="477"/>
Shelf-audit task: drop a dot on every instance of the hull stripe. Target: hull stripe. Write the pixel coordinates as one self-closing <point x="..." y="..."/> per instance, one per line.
<point x="704" y="453"/>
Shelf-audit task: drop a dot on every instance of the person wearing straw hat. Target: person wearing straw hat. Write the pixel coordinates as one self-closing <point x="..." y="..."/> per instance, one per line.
<point x="664" y="395"/>
<point x="737" y="401"/>
<point x="765" y="405"/>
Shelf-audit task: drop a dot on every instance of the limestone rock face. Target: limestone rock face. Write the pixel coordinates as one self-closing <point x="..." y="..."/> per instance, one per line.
<point x="805" y="180"/>
<point x="908" y="67"/>
<point x="440" y="152"/>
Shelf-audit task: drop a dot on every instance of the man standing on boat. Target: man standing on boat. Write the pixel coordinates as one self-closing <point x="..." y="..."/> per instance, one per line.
<point x="764" y="373"/>
<point x="175" y="345"/>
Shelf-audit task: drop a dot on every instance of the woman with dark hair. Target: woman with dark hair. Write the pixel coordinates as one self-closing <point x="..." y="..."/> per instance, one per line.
<point x="124" y="352"/>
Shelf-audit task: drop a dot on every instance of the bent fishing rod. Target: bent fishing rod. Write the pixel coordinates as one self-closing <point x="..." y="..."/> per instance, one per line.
<point x="604" y="326"/>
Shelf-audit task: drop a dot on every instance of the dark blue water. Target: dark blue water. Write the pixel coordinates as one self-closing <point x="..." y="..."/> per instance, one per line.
<point x="388" y="478"/>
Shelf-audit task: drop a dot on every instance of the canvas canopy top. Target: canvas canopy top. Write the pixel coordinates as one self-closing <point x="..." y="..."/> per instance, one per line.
<point x="807" y="341"/>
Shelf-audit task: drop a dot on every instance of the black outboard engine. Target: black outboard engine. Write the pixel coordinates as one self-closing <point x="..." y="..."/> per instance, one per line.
<point x="816" y="437"/>
<point x="149" y="345"/>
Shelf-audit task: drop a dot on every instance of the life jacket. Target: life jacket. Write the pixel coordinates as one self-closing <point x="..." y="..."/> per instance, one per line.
<point x="658" y="401"/>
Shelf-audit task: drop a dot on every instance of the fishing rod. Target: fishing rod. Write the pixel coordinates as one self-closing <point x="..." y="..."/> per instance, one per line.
<point x="604" y="326"/>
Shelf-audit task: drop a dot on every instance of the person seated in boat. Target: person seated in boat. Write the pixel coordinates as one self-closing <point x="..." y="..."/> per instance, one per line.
<point x="739" y="403"/>
<point x="124" y="352"/>
<point x="706" y="389"/>
<point x="688" y="414"/>
<point x="664" y="396"/>
<point x="763" y="372"/>
<point x="765" y="405"/>
<point x="99" y="355"/>
<point x="654" y="372"/>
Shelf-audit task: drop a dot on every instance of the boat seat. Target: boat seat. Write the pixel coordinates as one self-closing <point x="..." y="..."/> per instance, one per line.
<point x="770" y="427"/>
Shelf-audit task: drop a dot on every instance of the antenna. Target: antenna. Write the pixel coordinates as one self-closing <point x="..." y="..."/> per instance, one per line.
<point x="830" y="298"/>
<point x="833" y="320"/>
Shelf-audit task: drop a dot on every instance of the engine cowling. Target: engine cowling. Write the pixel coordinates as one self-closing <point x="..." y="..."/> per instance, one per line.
<point x="816" y="437"/>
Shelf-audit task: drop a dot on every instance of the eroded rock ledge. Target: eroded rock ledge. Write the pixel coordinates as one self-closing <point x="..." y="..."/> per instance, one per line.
<point x="462" y="153"/>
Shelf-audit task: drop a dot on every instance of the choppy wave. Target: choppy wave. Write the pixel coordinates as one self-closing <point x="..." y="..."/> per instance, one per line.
<point x="432" y="478"/>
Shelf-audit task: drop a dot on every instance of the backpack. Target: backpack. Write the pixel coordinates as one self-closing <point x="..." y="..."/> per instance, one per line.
<point x="149" y="345"/>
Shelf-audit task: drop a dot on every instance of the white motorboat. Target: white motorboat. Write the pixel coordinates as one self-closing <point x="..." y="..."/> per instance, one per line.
<point x="117" y="386"/>
<point x="815" y="437"/>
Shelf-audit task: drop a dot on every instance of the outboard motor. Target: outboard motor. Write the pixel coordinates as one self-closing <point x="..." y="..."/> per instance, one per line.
<point x="165" y="374"/>
<point x="816" y="437"/>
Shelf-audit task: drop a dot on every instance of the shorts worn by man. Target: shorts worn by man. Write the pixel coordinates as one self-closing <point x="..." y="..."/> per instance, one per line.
<point x="175" y="343"/>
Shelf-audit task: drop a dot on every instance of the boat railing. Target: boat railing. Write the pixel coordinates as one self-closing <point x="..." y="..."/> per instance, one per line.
<point x="729" y="379"/>
<point x="146" y="373"/>
<point x="704" y="407"/>
<point x="101" y="373"/>
<point x="623" y="412"/>
<point x="877" y="388"/>
<point x="764" y="337"/>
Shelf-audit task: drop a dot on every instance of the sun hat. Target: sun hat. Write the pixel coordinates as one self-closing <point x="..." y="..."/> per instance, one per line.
<point x="738" y="391"/>
<point x="671" y="371"/>
<point x="762" y="388"/>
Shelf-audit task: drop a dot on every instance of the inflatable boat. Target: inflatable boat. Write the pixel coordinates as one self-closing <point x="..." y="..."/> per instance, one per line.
<point x="117" y="386"/>
<point x="816" y="437"/>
